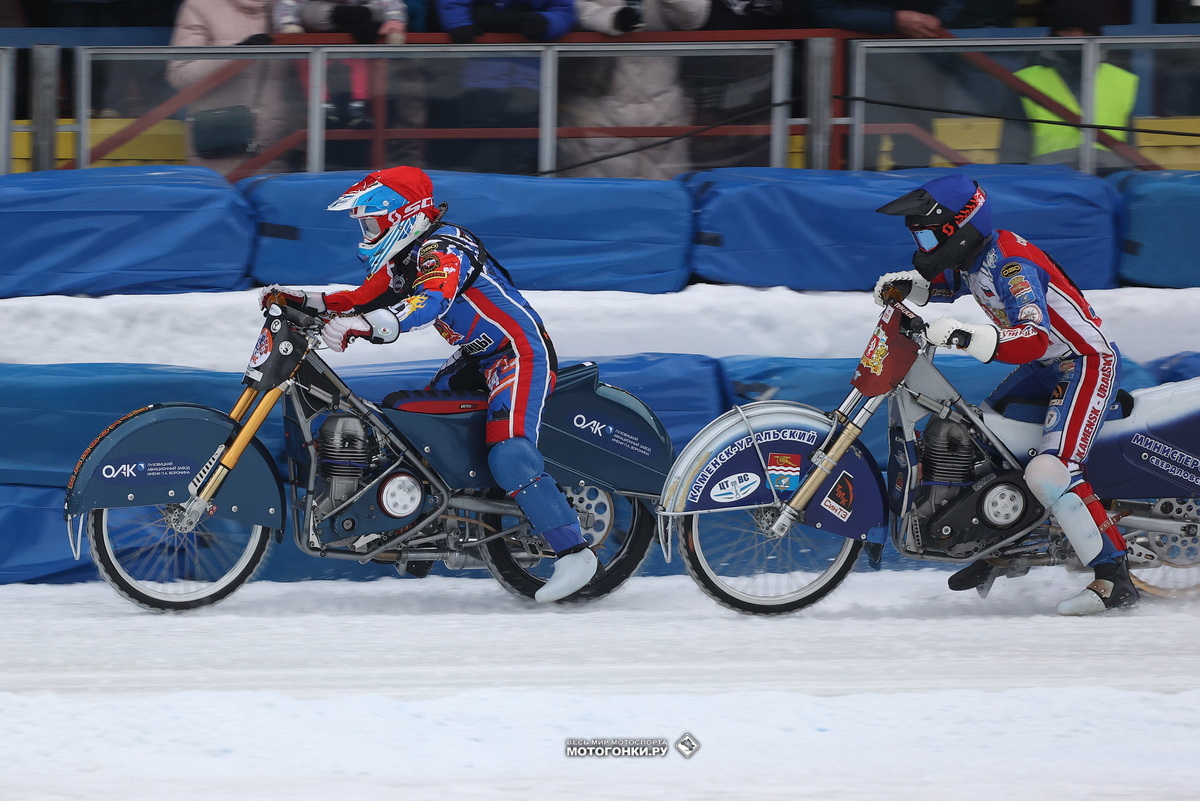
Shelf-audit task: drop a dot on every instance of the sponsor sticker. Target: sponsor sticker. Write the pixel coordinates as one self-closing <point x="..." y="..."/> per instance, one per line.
<point x="262" y="349"/>
<point x="783" y="470"/>
<point x="734" y="488"/>
<point x="839" y="501"/>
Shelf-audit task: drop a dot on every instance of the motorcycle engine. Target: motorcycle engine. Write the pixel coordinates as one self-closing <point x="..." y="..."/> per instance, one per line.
<point x="343" y="457"/>
<point x="963" y="505"/>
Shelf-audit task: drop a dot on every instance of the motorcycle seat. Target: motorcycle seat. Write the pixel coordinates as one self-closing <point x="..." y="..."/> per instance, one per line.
<point x="1033" y="410"/>
<point x="436" y="401"/>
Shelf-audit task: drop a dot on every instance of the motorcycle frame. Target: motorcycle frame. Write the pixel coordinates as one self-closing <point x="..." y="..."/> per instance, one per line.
<point x="342" y="399"/>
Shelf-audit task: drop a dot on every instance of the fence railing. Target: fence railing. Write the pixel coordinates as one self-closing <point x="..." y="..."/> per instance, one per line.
<point x="637" y="108"/>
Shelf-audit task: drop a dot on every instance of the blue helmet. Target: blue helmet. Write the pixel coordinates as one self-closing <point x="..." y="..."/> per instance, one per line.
<point x="393" y="207"/>
<point x="948" y="217"/>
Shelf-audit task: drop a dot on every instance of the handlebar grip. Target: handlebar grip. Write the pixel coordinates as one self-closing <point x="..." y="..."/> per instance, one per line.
<point x="896" y="291"/>
<point x="959" y="339"/>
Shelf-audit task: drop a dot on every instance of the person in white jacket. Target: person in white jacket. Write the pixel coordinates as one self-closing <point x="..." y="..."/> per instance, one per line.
<point x="628" y="91"/>
<point x="222" y="23"/>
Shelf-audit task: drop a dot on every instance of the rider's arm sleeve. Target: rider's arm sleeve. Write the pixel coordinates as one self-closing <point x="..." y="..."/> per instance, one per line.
<point x="1021" y="344"/>
<point x="350" y="299"/>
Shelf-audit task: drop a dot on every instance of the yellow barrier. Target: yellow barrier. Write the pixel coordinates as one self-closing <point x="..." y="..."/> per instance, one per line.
<point x="164" y="143"/>
<point x="1172" y="152"/>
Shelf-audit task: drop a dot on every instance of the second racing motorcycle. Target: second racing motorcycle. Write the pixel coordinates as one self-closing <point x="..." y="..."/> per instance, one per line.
<point x="774" y="501"/>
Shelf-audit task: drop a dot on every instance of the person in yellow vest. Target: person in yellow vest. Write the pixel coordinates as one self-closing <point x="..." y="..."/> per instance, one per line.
<point x="1058" y="75"/>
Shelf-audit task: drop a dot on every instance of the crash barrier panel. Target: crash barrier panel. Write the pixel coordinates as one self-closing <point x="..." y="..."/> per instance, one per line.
<point x="818" y="229"/>
<point x="50" y="413"/>
<point x="1156" y="234"/>
<point x="562" y="233"/>
<point x="122" y="230"/>
<point x="181" y="228"/>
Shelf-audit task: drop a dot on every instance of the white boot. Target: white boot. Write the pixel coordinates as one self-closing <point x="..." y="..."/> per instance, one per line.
<point x="572" y="572"/>
<point x="1112" y="589"/>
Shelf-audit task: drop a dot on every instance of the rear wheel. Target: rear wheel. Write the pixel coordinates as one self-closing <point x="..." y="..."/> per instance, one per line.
<point x="138" y="551"/>
<point x="1177" y="574"/>
<point x="618" y="528"/>
<point x="736" y="560"/>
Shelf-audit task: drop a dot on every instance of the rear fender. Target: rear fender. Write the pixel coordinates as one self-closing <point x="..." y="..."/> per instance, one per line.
<point x="757" y="454"/>
<point x="150" y="456"/>
<point x="597" y="434"/>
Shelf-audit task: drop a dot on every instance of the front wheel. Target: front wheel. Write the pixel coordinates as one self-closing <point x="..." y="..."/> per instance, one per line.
<point x="619" y="528"/>
<point x="738" y="562"/>
<point x="138" y="551"/>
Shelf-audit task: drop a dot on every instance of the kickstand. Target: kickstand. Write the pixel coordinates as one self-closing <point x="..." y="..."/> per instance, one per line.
<point x="986" y="587"/>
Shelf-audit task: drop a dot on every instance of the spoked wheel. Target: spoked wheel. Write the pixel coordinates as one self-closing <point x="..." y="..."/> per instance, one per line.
<point x="139" y="553"/>
<point x="618" y="528"/>
<point x="1177" y="574"/>
<point x="736" y="559"/>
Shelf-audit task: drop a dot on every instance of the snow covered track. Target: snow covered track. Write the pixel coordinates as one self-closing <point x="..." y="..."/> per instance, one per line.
<point x="448" y="688"/>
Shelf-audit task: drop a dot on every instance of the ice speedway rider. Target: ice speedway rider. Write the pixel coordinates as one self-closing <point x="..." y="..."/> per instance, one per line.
<point x="1041" y="322"/>
<point x="422" y="271"/>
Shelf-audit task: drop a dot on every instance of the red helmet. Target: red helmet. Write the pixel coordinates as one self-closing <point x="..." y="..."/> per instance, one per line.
<point x="393" y="207"/>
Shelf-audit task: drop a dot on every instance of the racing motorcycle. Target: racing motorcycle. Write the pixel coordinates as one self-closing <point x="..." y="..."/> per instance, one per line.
<point x="773" y="501"/>
<point x="179" y="501"/>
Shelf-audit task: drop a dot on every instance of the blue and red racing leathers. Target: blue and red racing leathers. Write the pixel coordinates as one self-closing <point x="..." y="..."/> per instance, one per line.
<point x="1050" y="330"/>
<point x="502" y="344"/>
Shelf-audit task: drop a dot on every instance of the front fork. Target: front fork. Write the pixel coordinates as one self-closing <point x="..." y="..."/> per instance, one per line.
<point x="212" y="475"/>
<point x="826" y="457"/>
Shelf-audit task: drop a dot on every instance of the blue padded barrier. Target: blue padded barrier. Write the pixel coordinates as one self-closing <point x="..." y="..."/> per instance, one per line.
<point x="1157" y="238"/>
<point x="116" y="230"/>
<point x="818" y="230"/>
<point x="550" y="233"/>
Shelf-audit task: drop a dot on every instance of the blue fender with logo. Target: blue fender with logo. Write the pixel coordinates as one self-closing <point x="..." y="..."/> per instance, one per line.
<point x="149" y="457"/>
<point x="757" y="454"/>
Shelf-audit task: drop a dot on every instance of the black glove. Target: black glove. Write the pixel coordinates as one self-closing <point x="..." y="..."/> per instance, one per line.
<point x="347" y="16"/>
<point x="533" y="26"/>
<point x="628" y="18"/>
<point x="358" y="21"/>
<point x="499" y="20"/>
<point x="464" y="35"/>
<point x="258" y="39"/>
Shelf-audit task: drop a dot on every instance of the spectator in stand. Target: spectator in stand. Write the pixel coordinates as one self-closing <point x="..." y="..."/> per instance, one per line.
<point x="731" y="87"/>
<point x="261" y="87"/>
<point x="909" y="79"/>
<point x="495" y="92"/>
<point x="366" y="21"/>
<point x="1059" y="76"/>
<point x="623" y="91"/>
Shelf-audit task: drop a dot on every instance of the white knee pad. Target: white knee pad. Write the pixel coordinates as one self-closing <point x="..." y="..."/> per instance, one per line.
<point x="1048" y="478"/>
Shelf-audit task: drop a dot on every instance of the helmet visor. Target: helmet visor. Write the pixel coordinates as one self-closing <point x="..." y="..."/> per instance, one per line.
<point x="925" y="238"/>
<point x="370" y="228"/>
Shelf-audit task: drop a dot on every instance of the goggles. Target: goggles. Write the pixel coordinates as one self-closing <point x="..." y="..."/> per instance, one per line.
<point x="370" y="228"/>
<point x="925" y="238"/>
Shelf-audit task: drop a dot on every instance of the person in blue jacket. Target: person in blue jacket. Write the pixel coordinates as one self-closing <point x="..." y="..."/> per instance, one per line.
<point x="494" y="92"/>
<point x="423" y="271"/>
<point x="536" y="20"/>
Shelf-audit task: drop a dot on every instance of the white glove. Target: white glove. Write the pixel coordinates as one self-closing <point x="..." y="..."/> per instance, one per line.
<point x="378" y="325"/>
<point x="918" y="287"/>
<point x="308" y="302"/>
<point x="979" y="341"/>
<point x="338" y="332"/>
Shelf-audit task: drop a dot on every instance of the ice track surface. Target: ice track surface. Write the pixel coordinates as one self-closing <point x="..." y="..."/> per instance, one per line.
<point x="893" y="688"/>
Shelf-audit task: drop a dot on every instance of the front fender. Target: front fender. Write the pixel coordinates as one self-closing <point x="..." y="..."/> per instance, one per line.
<point x="149" y="457"/>
<point x="758" y="453"/>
